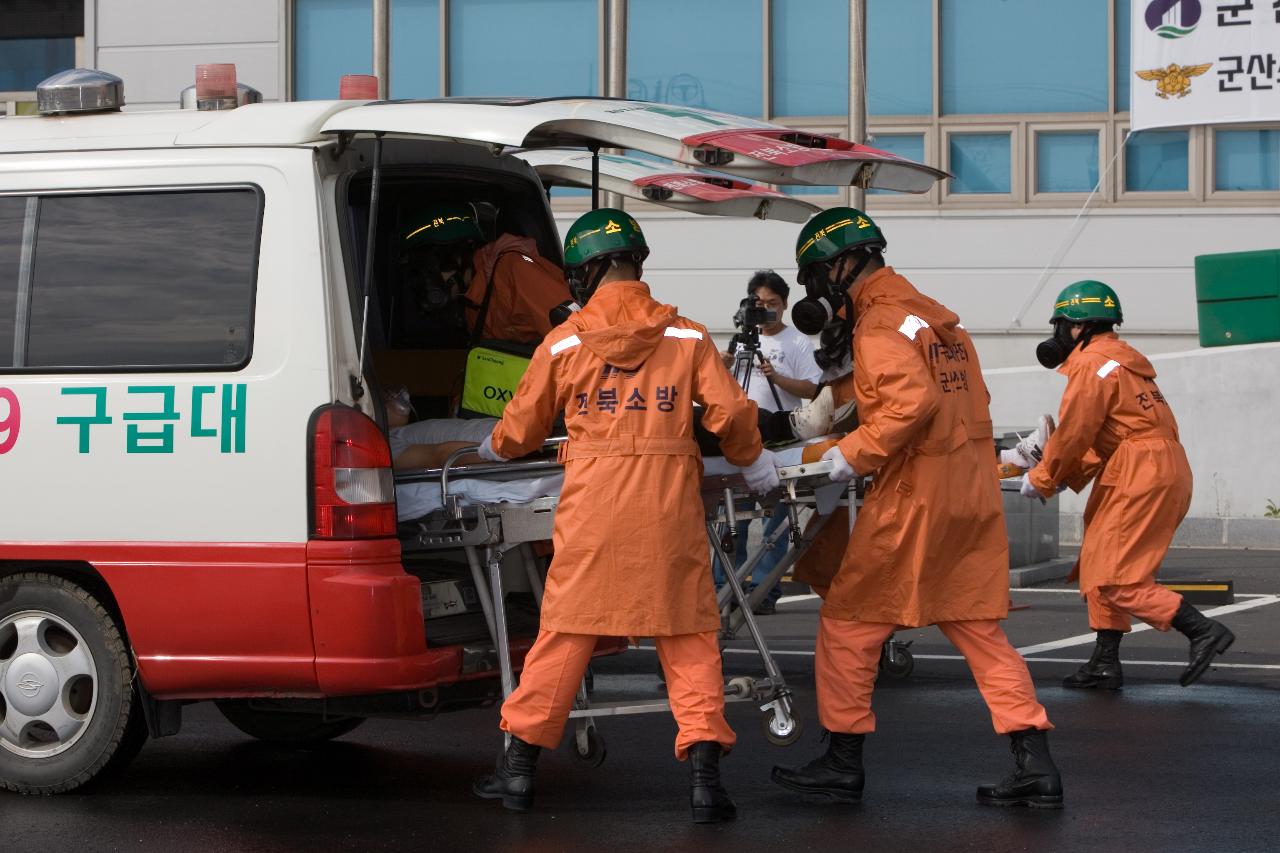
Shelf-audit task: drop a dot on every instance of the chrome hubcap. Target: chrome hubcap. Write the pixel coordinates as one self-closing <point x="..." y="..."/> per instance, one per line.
<point x="48" y="684"/>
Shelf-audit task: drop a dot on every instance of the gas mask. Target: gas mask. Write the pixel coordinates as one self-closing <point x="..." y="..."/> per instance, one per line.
<point x="1054" y="350"/>
<point x="833" y="345"/>
<point x="563" y="311"/>
<point x="812" y="314"/>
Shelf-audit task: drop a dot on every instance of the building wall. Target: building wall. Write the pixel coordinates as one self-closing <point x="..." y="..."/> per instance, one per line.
<point x="155" y="45"/>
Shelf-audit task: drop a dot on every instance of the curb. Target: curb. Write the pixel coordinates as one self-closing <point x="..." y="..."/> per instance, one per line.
<point x="1050" y="570"/>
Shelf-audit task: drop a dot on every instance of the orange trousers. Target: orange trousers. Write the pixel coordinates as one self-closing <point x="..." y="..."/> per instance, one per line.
<point x="538" y="709"/>
<point x="848" y="654"/>
<point x="1111" y="606"/>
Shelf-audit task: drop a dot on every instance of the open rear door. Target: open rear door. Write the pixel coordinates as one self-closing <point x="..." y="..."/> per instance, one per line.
<point x="692" y="137"/>
<point x="694" y="190"/>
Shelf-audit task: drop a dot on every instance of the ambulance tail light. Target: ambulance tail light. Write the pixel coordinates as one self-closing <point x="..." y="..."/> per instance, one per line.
<point x="352" y="486"/>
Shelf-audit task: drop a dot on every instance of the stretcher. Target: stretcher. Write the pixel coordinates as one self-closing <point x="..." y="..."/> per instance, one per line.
<point x="488" y="529"/>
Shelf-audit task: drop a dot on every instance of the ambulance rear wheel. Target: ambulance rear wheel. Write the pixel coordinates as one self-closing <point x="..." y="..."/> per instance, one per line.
<point x="285" y="728"/>
<point x="69" y="712"/>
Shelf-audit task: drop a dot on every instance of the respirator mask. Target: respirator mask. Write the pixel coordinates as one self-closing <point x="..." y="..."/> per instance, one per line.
<point x="1054" y="350"/>
<point x="563" y="311"/>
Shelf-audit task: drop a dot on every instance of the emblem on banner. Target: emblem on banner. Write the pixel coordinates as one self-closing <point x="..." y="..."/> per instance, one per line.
<point x="1175" y="80"/>
<point x="1172" y="19"/>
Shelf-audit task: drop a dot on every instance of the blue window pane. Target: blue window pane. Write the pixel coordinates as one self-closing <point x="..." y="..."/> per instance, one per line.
<point x="703" y="54"/>
<point x="980" y="163"/>
<point x="810" y="60"/>
<point x="1156" y="161"/>
<point x="415" y="49"/>
<point x="1124" y="63"/>
<point x="514" y="47"/>
<point x="25" y="62"/>
<point x="909" y="145"/>
<point x="1023" y="57"/>
<point x="1066" y="162"/>
<point x="1246" y="160"/>
<point x="331" y="38"/>
<point x="899" y="57"/>
<point x="799" y="190"/>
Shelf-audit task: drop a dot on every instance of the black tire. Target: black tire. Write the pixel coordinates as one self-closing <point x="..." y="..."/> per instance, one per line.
<point x="899" y="666"/>
<point x="285" y="728"/>
<point x="114" y="730"/>
<point x="597" y="749"/>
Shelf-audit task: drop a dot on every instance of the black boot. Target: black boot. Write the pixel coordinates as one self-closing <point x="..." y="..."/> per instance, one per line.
<point x="1102" y="672"/>
<point x="512" y="780"/>
<point x="1034" y="781"/>
<point x="837" y="773"/>
<point x="710" y="801"/>
<point x="1208" y="637"/>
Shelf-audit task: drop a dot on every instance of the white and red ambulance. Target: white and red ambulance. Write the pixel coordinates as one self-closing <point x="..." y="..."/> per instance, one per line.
<point x="196" y="498"/>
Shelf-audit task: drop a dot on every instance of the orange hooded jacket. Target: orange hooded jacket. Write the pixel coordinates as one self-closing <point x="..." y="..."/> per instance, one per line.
<point x="526" y="286"/>
<point x="929" y="543"/>
<point x="1115" y="425"/>
<point x="631" y="553"/>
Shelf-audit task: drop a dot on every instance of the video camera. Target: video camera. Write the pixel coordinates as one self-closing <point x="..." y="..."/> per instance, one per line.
<point x="752" y="315"/>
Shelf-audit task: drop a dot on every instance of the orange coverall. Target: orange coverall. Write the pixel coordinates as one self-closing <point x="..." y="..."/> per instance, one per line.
<point x="929" y="544"/>
<point x="526" y="286"/>
<point x="1116" y="428"/>
<point x="631" y="556"/>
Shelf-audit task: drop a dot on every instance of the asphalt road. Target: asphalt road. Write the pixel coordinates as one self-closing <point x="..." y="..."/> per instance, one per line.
<point x="1155" y="767"/>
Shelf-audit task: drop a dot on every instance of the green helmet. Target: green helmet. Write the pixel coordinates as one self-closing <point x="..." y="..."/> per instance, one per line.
<point x="443" y="224"/>
<point x="834" y="232"/>
<point x="607" y="231"/>
<point x="1087" y="300"/>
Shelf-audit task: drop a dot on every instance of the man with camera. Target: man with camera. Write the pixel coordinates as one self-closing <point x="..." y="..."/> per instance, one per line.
<point x="775" y="365"/>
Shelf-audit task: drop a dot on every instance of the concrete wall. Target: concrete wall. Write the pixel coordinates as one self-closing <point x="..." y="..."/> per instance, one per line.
<point x="155" y="45"/>
<point x="1226" y="400"/>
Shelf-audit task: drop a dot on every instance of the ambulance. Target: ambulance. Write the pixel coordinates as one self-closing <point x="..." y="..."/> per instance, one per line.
<point x="196" y="494"/>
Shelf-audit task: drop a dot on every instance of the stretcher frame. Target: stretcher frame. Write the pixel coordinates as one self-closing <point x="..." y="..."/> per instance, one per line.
<point x="498" y="528"/>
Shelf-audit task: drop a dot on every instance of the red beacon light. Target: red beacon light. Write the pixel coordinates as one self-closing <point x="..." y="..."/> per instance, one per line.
<point x="216" y="86"/>
<point x="358" y="87"/>
<point x="216" y="89"/>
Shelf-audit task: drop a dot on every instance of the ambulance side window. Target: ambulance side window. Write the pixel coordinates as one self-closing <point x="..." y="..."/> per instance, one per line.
<point x="12" y="216"/>
<point x="144" y="280"/>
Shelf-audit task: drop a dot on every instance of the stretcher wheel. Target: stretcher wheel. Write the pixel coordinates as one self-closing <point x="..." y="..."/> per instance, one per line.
<point x="781" y="734"/>
<point x="896" y="661"/>
<point x="742" y="687"/>
<point x="594" y="753"/>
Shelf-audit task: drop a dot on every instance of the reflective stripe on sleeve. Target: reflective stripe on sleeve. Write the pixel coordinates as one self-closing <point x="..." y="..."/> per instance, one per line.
<point x="562" y="345"/>
<point x="673" y="332"/>
<point x="911" y="325"/>
<point x="1107" y="368"/>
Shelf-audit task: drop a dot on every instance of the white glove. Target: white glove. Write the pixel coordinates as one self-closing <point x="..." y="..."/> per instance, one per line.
<point x="487" y="453"/>
<point x="762" y="475"/>
<point x="1028" y="490"/>
<point x="843" y="471"/>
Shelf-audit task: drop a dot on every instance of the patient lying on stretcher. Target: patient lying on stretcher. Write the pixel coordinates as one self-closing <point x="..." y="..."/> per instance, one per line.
<point x="427" y="444"/>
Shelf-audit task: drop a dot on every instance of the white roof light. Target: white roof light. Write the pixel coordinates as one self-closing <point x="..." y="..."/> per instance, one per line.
<point x="80" y="90"/>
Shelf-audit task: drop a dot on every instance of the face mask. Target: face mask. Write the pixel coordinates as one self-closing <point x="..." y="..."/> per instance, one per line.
<point x="812" y="314"/>
<point x="1053" y="351"/>
<point x="399" y="401"/>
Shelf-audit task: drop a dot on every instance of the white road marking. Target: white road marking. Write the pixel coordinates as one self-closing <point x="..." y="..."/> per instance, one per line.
<point x="1083" y="639"/>
<point x="789" y="599"/>
<point x="1126" y="662"/>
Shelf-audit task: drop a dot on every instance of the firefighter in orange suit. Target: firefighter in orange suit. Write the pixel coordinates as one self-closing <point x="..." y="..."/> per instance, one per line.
<point x="631" y="557"/>
<point x="506" y="290"/>
<point x="1116" y="429"/>
<point x="929" y="545"/>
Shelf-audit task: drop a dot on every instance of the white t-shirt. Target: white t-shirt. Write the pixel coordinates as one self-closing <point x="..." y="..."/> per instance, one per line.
<point x="791" y="353"/>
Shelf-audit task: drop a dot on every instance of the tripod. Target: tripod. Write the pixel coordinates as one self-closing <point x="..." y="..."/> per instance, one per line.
<point x="746" y="353"/>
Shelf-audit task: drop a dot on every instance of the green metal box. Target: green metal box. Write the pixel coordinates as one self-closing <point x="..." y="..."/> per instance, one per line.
<point x="1238" y="297"/>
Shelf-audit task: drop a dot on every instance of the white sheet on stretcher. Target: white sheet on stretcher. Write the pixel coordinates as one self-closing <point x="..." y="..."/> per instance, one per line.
<point x="414" y="500"/>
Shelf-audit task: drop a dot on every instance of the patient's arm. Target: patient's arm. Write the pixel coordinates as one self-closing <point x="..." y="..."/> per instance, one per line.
<point x="418" y="456"/>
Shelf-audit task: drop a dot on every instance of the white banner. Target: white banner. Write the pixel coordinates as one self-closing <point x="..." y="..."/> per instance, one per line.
<point x="1204" y="62"/>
